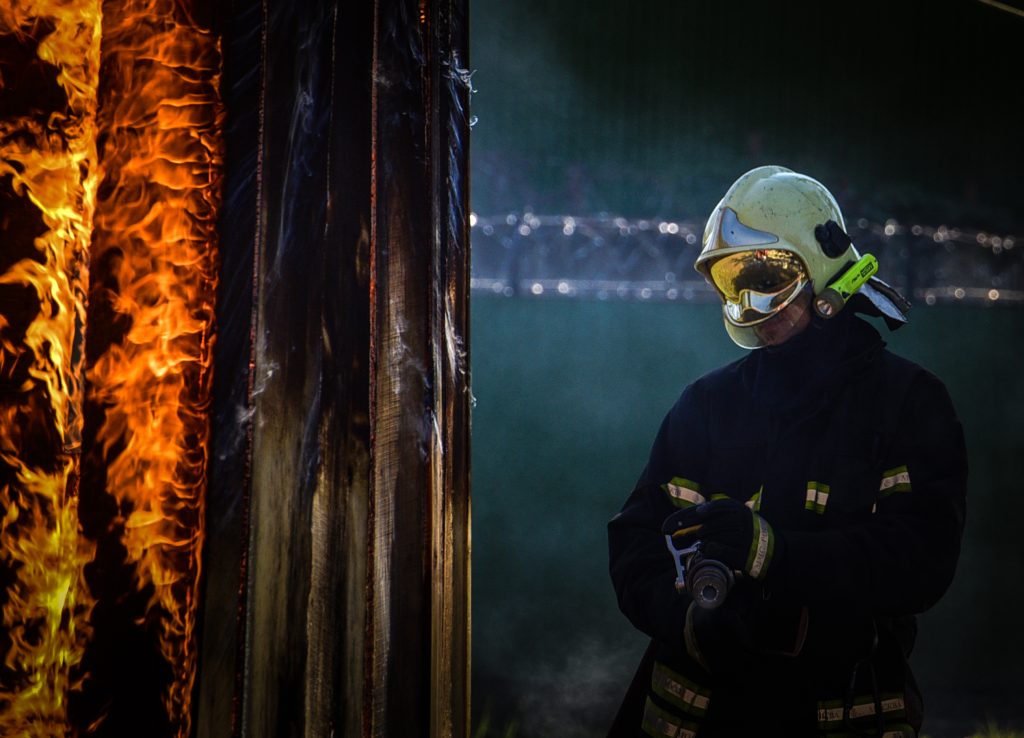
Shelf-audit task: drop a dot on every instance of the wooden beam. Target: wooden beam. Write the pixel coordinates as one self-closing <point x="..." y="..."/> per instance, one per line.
<point x="351" y="526"/>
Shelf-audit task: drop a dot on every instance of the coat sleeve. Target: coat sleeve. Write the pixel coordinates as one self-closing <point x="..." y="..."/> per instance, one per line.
<point x="641" y="567"/>
<point x="901" y="559"/>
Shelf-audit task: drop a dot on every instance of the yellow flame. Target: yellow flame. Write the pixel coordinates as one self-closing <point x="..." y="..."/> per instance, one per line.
<point x="50" y="159"/>
<point x="47" y="607"/>
<point x="161" y="117"/>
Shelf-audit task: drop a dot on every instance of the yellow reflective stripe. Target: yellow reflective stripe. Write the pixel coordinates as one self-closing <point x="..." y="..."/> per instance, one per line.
<point x="754" y="503"/>
<point x="894" y="480"/>
<point x="679" y="690"/>
<point x="683" y="492"/>
<point x="830" y="713"/>
<point x="817" y="497"/>
<point x="663" y="724"/>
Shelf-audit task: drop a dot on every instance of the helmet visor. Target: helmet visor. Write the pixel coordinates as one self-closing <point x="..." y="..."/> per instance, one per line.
<point x="757" y="284"/>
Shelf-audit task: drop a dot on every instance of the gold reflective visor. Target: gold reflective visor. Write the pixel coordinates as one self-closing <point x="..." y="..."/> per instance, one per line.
<point x="757" y="284"/>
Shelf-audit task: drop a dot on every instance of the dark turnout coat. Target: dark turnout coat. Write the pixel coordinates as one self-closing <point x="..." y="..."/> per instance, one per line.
<point x="856" y="458"/>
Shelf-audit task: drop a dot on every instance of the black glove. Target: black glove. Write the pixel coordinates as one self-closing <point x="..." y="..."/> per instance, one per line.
<point x="747" y="624"/>
<point x="729" y="532"/>
<point x="720" y="639"/>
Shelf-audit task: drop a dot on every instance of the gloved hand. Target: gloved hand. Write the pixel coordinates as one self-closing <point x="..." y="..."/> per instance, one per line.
<point x="730" y="532"/>
<point x="720" y="639"/>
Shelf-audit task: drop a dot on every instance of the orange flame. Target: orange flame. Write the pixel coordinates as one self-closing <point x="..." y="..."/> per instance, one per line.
<point x="156" y="232"/>
<point x="50" y="159"/>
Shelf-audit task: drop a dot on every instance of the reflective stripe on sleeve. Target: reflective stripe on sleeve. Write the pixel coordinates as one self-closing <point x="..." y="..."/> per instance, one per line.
<point x="830" y="713"/>
<point x="683" y="493"/>
<point x="817" y="497"/>
<point x="761" y="548"/>
<point x="663" y="724"/>
<point x="679" y="690"/>
<point x="894" y="480"/>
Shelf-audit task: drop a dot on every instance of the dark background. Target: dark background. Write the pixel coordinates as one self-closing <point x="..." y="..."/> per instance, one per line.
<point x="904" y="110"/>
<point x="655" y="107"/>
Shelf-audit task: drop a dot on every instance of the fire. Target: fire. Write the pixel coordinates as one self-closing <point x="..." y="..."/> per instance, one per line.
<point x="154" y="270"/>
<point x="48" y="160"/>
<point x="151" y="303"/>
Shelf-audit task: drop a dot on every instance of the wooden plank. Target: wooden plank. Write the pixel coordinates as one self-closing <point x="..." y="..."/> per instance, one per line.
<point x="449" y="127"/>
<point x="420" y="408"/>
<point x="221" y="638"/>
<point x="353" y="524"/>
<point x="402" y="433"/>
<point x="337" y="603"/>
<point x="287" y="392"/>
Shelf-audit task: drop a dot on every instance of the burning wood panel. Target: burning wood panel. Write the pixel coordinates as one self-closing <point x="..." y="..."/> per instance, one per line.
<point x="350" y="519"/>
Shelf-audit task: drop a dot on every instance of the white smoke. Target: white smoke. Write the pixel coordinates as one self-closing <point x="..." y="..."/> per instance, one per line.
<point x="578" y="696"/>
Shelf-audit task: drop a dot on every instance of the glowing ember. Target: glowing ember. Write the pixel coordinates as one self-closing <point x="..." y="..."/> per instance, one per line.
<point x="155" y="245"/>
<point x="48" y="160"/>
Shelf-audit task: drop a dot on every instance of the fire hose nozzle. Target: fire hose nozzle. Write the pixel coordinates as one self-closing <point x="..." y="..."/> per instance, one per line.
<point x="708" y="581"/>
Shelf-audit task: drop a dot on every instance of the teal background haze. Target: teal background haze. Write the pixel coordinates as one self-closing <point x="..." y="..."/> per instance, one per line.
<point x="569" y="396"/>
<point x="904" y="110"/>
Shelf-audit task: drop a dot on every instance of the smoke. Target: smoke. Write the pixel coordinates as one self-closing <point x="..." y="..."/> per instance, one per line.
<point x="579" y="694"/>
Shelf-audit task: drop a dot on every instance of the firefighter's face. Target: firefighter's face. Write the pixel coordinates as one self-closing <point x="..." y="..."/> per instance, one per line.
<point x="789" y="322"/>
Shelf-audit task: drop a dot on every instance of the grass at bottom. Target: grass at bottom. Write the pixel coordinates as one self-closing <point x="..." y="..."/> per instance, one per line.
<point x="991" y="730"/>
<point x="486" y="728"/>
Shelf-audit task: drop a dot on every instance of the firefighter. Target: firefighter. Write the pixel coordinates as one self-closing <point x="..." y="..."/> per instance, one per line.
<point x="824" y="474"/>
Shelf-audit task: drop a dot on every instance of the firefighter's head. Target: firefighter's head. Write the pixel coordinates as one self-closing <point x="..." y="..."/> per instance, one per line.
<point x="775" y="241"/>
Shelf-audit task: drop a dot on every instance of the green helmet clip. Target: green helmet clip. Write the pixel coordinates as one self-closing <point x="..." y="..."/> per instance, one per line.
<point x="834" y="297"/>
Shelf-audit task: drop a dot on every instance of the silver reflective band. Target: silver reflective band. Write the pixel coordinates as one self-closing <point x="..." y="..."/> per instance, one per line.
<point x="895" y="480"/>
<point x="763" y="551"/>
<point x="663" y="724"/>
<point x="679" y="690"/>
<point x="835" y="714"/>
<point x="817" y="497"/>
<point x="683" y="492"/>
<point x="734" y="233"/>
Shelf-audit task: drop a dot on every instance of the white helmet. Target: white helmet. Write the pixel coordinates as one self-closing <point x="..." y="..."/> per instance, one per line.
<point x="783" y="232"/>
